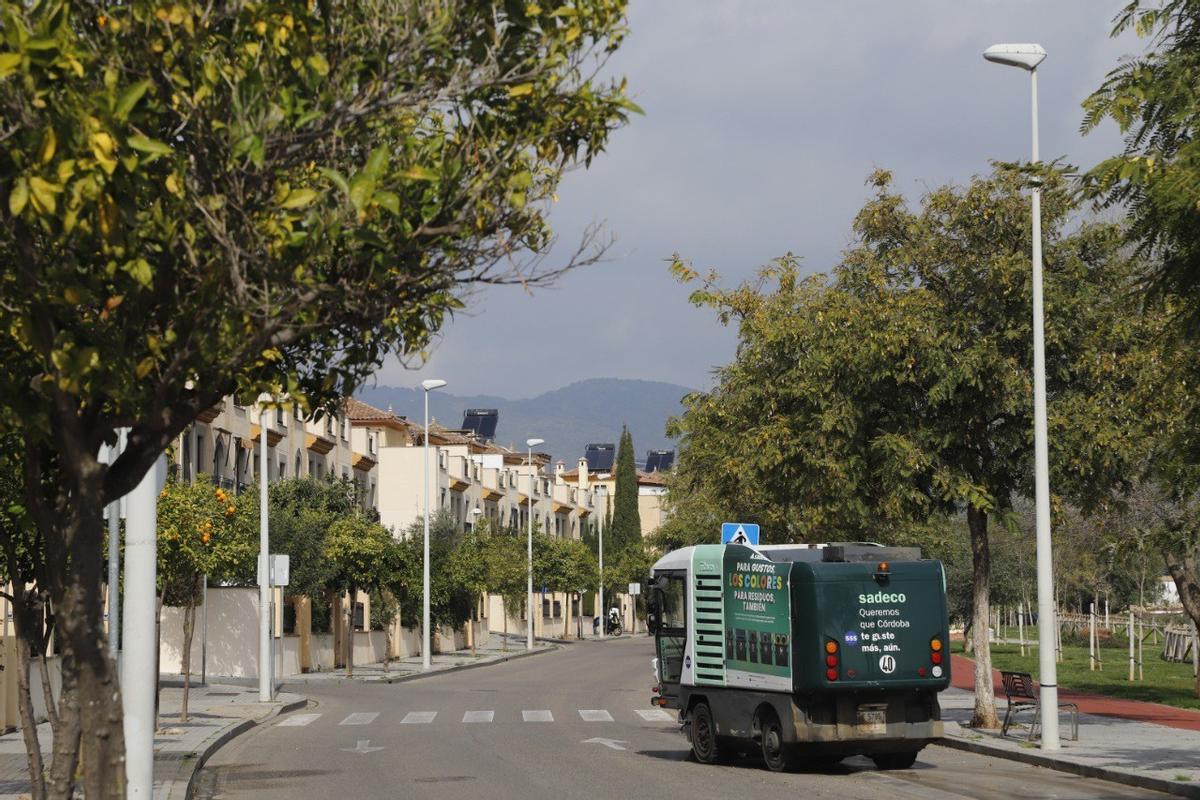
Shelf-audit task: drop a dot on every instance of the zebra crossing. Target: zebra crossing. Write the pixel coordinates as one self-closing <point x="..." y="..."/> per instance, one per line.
<point x="484" y="716"/>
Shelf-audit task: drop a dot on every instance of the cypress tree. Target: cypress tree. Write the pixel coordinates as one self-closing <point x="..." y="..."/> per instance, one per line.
<point x="626" y="522"/>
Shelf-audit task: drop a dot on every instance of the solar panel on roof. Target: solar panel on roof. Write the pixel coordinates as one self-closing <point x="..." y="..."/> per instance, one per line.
<point x="659" y="460"/>
<point x="600" y="457"/>
<point x="482" y="422"/>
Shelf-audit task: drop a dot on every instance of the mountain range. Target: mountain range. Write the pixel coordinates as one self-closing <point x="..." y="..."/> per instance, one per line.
<point x="569" y="419"/>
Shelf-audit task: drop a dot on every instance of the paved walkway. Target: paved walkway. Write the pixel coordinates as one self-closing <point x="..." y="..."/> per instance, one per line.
<point x="216" y="713"/>
<point x="1139" y="744"/>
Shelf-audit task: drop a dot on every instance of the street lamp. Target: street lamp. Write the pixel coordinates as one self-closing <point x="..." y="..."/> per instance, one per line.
<point x="530" y="443"/>
<point x="428" y="386"/>
<point x="265" y="661"/>
<point x="1028" y="57"/>
<point x="602" y="491"/>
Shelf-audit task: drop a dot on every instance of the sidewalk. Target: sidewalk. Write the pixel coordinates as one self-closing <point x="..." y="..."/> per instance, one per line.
<point x="216" y="713"/>
<point x="410" y="667"/>
<point x="1138" y="744"/>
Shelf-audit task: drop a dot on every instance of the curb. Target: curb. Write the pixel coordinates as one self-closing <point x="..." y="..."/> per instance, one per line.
<point x="230" y="733"/>
<point x="460" y="667"/>
<point x="1083" y="770"/>
<point x="342" y="680"/>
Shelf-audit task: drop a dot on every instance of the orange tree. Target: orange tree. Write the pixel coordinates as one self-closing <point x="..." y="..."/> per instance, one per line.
<point x="198" y="199"/>
<point x="200" y="537"/>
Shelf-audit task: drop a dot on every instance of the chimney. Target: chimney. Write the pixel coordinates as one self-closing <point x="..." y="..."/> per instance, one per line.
<point x="583" y="475"/>
<point x="559" y="469"/>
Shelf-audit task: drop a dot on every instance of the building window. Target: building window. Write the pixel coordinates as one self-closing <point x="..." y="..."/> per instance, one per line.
<point x="187" y="456"/>
<point x="280" y="418"/>
<point x="329" y="427"/>
<point x="282" y="469"/>
<point x="199" y="454"/>
<point x="299" y="464"/>
<point x="345" y="473"/>
<point x="371" y="443"/>
<point x="345" y="429"/>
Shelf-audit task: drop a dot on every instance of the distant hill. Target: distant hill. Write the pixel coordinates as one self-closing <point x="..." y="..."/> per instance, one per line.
<point x="568" y="419"/>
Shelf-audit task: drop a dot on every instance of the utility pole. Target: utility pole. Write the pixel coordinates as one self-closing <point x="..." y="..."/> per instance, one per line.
<point x="114" y="557"/>
<point x="140" y="661"/>
<point x="265" y="682"/>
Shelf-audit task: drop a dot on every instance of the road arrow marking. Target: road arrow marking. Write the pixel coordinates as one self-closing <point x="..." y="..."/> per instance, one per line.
<point x="612" y="744"/>
<point x="363" y="747"/>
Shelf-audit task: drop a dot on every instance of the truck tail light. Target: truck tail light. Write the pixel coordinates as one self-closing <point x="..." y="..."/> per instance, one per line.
<point x="831" y="659"/>
<point x="935" y="644"/>
<point x="935" y="657"/>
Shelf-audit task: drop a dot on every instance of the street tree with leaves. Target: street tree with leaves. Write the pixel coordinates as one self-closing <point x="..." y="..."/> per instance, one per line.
<point x="359" y="553"/>
<point x="200" y="199"/>
<point x="899" y="390"/>
<point x="199" y="538"/>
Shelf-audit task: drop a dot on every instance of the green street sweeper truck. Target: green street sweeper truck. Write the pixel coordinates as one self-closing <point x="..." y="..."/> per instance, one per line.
<point x="811" y="653"/>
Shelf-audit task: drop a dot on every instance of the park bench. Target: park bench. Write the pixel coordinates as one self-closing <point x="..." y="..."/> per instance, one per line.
<point x="1024" y="695"/>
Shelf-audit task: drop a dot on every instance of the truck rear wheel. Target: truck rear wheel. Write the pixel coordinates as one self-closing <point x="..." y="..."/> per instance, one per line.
<point x="704" y="735"/>
<point x="774" y="751"/>
<point x="888" y="761"/>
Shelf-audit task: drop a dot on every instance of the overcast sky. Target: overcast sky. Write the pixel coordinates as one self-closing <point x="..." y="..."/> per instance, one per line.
<point x="763" y="119"/>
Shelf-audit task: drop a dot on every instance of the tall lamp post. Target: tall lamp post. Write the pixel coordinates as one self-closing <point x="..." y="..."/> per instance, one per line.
<point x="265" y="662"/>
<point x="602" y="611"/>
<point x="530" y="443"/>
<point x="1027" y="57"/>
<point x="428" y="386"/>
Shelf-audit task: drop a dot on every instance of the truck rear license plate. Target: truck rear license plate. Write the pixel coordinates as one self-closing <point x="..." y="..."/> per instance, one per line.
<point x="872" y="721"/>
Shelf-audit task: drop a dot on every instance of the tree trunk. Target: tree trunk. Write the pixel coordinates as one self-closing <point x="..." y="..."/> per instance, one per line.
<point x="1187" y="581"/>
<point x="189" y="625"/>
<point x="567" y="616"/>
<point x="350" y="635"/>
<point x="22" y="616"/>
<point x="985" y="697"/>
<point x="90" y="702"/>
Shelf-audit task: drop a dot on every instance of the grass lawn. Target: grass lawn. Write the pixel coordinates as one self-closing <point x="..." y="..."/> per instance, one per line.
<point x="1165" y="682"/>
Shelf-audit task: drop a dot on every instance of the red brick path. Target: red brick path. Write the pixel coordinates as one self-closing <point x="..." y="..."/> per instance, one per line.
<point x="962" y="676"/>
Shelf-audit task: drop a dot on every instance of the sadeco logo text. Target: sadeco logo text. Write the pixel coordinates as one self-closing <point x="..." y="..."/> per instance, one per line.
<point x="882" y="597"/>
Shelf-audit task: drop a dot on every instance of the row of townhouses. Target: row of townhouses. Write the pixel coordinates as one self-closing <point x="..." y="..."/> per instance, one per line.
<point x="471" y="478"/>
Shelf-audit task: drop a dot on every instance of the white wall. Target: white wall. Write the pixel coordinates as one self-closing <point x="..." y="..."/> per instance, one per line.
<point x="232" y="635"/>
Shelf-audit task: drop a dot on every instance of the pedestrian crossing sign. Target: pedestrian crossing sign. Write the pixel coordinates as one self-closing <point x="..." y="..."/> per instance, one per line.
<point x="739" y="533"/>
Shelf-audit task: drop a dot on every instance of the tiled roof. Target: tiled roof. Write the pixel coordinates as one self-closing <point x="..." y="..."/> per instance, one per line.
<point x="358" y="411"/>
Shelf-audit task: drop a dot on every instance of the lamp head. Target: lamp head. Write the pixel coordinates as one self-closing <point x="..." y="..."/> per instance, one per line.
<point x="432" y="384"/>
<point x="1025" y="56"/>
<point x="476" y="511"/>
<point x="534" y="442"/>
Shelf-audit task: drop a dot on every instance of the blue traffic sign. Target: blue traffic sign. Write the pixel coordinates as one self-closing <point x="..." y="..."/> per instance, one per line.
<point x="739" y="533"/>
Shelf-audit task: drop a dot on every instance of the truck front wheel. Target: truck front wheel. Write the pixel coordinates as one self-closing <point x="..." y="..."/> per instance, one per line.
<point x="704" y="735"/>
<point x="887" y="761"/>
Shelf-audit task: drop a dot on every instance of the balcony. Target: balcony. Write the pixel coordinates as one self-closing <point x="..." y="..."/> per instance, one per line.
<point x="319" y="444"/>
<point x="209" y="414"/>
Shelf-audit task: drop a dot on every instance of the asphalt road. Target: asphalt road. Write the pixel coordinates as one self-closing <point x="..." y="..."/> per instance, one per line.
<point x="515" y="730"/>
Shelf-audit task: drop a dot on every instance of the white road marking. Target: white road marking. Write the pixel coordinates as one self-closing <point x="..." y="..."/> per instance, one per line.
<point x="297" y="720"/>
<point x="418" y="717"/>
<point x="363" y="747"/>
<point x="360" y="718"/>
<point x="611" y="744"/>
<point x="654" y="715"/>
<point x="595" y="715"/>
<point x="478" y="716"/>
<point x="537" y="716"/>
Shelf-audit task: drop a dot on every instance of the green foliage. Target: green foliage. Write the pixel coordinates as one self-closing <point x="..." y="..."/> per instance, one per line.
<point x="450" y="603"/>
<point x="626" y="528"/>
<point x="1154" y="100"/>
<point x="301" y="513"/>
<point x="253" y="196"/>
<point x="198" y="535"/>
<point x="900" y="388"/>
<point x="359" y="552"/>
